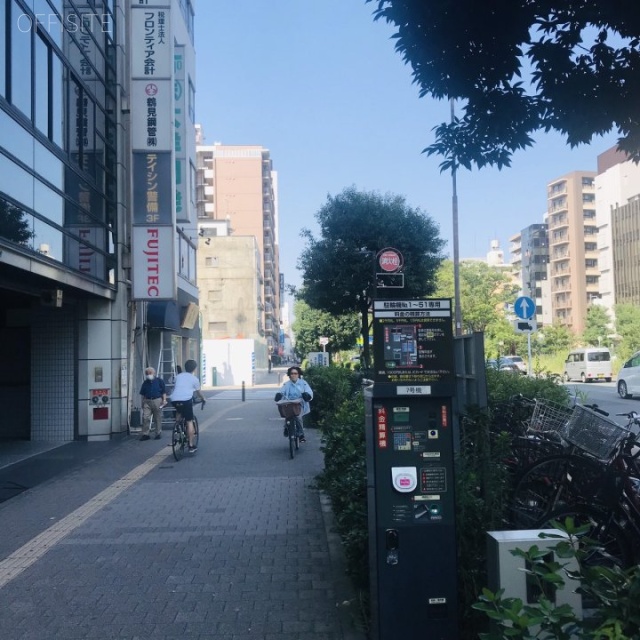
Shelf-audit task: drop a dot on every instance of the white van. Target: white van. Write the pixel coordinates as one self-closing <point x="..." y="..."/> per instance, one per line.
<point x="587" y="365"/>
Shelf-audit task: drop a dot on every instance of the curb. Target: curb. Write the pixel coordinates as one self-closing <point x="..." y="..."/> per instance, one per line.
<point x="345" y="593"/>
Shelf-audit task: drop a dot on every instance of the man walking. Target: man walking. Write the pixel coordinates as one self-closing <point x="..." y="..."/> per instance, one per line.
<point x="154" y="397"/>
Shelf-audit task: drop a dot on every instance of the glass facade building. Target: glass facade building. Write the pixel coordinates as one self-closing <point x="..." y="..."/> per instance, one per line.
<point x="58" y="143"/>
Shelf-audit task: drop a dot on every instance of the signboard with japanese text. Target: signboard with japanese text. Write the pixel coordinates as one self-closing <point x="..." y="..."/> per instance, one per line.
<point x="180" y="133"/>
<point x="151" y="114"/>
<point x="152" y="188"/>
<point x="151" y="41"/>
<point x="152" y="124"/>
<point x="413" y="346"/>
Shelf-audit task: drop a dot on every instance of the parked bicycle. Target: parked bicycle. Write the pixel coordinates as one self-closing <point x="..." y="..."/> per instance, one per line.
<point x="596" y="482"/>
<point x="180" y="436"/>
<point x="290" y="410"/>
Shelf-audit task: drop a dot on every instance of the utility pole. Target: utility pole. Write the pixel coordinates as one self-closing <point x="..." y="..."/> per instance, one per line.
<point x="457" y="312"/>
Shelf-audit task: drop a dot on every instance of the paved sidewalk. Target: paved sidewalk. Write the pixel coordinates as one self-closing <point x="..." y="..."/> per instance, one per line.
<point x="232" y="543"/>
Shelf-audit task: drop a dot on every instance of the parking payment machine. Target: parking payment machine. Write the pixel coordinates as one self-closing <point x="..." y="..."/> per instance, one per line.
<point x="410" y="471"/>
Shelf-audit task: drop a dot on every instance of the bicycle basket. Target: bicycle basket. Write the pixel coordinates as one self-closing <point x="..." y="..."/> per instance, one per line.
<point x="593" y="433"/>
<point x="549" y="416"/>
<point x="289" y="409"/>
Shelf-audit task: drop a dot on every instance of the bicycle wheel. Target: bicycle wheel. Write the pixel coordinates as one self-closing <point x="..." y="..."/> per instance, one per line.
<point x="196" y="431"/>
<point x="178" y="440"/>
<point x="612" y="546"/>
<point x="551" y="484"/>
<point x="291" y="432"/>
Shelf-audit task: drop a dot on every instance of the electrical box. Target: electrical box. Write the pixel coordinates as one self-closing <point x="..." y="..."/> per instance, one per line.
<point x="506" y="571"/>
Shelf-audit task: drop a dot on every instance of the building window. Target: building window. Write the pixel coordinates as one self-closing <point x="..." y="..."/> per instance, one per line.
<point x="20" y="63"/>
<point x="3" y="49"/>
<point x="191" y="104"/>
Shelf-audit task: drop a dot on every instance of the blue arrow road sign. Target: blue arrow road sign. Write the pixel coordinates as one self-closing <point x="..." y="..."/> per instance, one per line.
<point x="524" y="307"/>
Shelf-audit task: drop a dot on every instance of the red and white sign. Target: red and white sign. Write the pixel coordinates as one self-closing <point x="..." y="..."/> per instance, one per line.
<point x="381" y="419"/>
<point x="390" y="260"/>
<point x="154" y="276"/>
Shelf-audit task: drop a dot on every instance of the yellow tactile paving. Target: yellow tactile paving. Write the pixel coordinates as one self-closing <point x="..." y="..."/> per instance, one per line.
<point x="29" y="553"/>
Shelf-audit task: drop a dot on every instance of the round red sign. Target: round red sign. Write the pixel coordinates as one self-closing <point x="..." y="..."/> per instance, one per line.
<point x="390" y="260"/>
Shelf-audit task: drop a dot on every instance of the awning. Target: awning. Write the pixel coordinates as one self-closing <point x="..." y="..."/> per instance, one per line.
<point x="163" y="315"/>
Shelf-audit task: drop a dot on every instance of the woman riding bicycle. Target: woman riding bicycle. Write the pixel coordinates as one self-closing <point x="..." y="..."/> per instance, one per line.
<point x="296" y="388"/>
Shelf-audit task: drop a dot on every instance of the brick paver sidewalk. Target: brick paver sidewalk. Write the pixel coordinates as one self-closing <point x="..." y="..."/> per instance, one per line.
<point x="230" y="543"/>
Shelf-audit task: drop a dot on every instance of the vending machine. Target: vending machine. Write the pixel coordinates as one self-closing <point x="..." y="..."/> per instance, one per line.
<point x="410" y="475"/>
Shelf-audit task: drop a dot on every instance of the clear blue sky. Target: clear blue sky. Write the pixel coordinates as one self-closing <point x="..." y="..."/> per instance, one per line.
<point x="319" y="84"/>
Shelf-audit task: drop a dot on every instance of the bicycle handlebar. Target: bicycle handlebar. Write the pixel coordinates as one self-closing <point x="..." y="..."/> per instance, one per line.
<point x="594" y="407"/>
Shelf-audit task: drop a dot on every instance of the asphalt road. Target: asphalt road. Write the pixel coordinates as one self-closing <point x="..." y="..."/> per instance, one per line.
<point x="605" y="395"/>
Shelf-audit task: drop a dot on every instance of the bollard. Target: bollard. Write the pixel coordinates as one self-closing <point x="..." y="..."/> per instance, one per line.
<point x="243" y="391"/>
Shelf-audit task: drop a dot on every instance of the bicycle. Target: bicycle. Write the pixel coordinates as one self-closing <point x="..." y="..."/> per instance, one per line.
<point x="290" y="410"/>
<point x="180" y="437"/>
<point x="598" y="484"/>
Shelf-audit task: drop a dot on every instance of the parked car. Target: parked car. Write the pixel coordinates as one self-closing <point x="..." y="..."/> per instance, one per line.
<point x="518" y="361"/>
<point x="588" y="364"/>
<point x="629" y="377"/>
<point x="502" y="364"/>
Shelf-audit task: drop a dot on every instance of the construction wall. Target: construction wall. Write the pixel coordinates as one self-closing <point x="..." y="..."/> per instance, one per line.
<point x="232" y="362"/>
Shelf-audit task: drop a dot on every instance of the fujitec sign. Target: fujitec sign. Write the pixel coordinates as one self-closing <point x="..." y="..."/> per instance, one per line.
<point x="390" y="260"/>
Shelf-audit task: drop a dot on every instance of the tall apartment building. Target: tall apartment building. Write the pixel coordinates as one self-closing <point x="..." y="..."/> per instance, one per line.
<point x="87" y="116"/>
<point x="617" y="189"/>
<point x="573" y="247"/>
<point x="238" y="184"/>
<point x="530" y="258"/>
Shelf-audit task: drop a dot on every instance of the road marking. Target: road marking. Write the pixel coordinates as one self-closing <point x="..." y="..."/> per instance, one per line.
<point x="29" y="553"/>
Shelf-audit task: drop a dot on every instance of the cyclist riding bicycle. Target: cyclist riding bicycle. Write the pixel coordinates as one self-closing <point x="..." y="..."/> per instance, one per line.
<point x="294" y="389"/>
<point x="182" y="397"/>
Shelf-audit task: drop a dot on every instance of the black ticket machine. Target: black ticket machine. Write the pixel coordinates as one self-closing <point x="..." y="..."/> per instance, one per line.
<point x="410" y="476"/>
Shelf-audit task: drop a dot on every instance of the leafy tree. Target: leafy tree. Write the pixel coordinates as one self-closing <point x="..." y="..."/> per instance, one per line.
<point x="338" y="267"/>
<point x="556" y="338"/>
<point x="484" y="291"/>
<point x="597" y="326"/>
<point x="310" y="324"/>
<point x="521" y="66"/>
<point x="14" y="224"/>
<point x="628" y="328"/>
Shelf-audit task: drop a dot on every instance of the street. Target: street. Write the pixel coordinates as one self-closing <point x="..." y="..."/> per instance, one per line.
<point x="603" y="394"/>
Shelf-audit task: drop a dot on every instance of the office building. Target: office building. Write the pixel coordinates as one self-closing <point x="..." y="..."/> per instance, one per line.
<point x="85" y="234"/>
<point x="617" y="189"/>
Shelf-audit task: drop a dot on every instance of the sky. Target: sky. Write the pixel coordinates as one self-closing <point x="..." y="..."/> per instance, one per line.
<point x="319" y="84"/>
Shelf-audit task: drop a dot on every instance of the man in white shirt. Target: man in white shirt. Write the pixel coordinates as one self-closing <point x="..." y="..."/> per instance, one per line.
<point x="182" y="397"/>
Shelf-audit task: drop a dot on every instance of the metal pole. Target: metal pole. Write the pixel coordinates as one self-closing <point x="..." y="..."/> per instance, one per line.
<point x="456" y="257"/>
<point x="529" y="353"/>
<point x="243" y="392"/>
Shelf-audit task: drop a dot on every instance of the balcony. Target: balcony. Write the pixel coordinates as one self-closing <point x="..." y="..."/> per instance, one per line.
<point x="562" y="303"/>
<point x="558" y="222"/>
<point x="561" y="285"/>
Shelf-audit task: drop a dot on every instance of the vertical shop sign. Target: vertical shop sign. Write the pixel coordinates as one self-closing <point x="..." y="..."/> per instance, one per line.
<point x="152" y="117"/>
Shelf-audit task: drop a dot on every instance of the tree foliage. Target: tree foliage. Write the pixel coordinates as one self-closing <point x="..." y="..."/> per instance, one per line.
<point x="597" y="326"/>
<point x="338" y="267"/>
<point x="520" y="66"/>
<point x="484" y="292"/>
<point x="14" y="224"/>
<point x="310" y="324"/>
<point x="628" y="327"/>
<point x="556" y="338"/>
